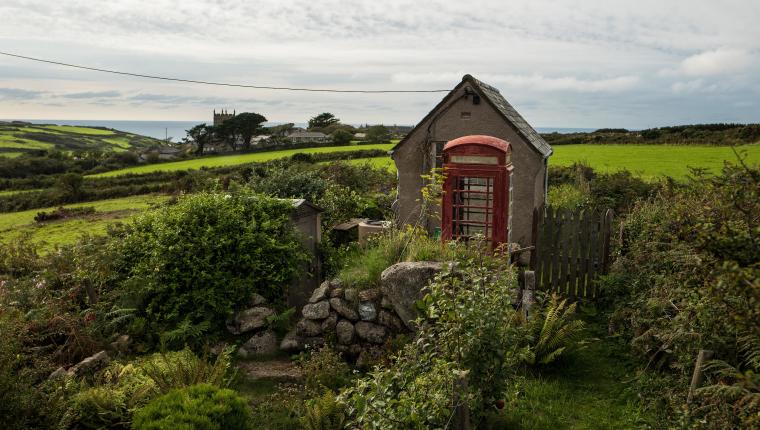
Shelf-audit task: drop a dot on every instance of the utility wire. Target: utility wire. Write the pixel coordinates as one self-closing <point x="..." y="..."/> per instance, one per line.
<point x="221" y="84"/>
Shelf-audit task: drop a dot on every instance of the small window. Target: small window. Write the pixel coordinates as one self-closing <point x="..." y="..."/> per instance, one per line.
<point x="439" y="153"/>
<point x="465" y="115"/>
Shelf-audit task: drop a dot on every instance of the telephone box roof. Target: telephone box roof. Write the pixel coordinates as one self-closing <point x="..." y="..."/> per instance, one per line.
<point x="479" y="139"/>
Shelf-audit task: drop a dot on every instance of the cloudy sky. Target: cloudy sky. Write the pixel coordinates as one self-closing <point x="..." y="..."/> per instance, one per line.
<point x="591" y="63"/>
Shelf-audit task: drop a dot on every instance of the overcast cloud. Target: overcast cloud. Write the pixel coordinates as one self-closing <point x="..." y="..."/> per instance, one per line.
<point x="591" y="63"/>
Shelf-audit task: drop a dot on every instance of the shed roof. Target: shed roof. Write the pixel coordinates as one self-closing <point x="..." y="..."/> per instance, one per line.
<point x="501" y="105"/>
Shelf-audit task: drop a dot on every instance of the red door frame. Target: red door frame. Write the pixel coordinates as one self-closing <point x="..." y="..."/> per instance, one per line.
<point x="472" y="149"/>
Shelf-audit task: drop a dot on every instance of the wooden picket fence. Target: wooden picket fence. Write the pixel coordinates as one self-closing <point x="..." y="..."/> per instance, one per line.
<point x="571" y="249"/>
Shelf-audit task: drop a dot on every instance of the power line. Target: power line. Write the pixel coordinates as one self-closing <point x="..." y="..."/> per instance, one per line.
<point x="221" y="84"/>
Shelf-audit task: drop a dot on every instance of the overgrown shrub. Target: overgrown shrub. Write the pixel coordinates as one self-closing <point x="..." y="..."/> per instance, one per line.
<point x="469" y="330"/>
<point x="324" y="412"/>
<point x="187" y="267"/>
<point x="554" y="330"/>
<point x="688" y="279"/>
<point x="122" y="388"/>
<point x="199" y="407"/>
<point x="324" y="369"/>
<point x="62" y="213"/>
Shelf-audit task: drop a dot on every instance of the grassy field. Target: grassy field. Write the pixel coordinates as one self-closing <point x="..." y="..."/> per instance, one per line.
<point x="650" y="161"/>
<point x="16" y="138"/>
<point x="16" y="224"/>
<point x="231" y="160"/>
<point x="590" y="389"/>
<point x="647" y="161"/>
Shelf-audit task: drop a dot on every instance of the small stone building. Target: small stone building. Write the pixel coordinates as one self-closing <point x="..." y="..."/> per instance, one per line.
<point x="473" y="108"/>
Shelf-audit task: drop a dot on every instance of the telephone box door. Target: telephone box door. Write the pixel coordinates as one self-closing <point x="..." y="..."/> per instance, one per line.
<point x="476" y="191"/>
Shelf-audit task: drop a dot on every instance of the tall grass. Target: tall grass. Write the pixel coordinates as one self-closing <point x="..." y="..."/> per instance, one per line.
<point x="365" y="263"/>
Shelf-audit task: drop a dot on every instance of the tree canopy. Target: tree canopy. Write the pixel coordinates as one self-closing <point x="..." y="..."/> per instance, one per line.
<point x="323" y="120"/>
<point x="378" y="134"/>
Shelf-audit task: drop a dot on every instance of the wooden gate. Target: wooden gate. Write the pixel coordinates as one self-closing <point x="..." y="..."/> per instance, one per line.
<point x="571" y="249"/>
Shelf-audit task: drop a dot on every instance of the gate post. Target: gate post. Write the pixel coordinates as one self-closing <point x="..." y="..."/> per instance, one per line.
<point x="528" y="294"/>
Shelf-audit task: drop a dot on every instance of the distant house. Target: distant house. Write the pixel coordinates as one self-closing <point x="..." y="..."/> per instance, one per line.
<point x="162" y="153"/>
<point x="360" y="136"/>
<point x="308" y="137"/>
<point x="261" y="139"/>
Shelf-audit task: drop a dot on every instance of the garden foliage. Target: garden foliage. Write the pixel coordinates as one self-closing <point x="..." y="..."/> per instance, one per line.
<point x="188" y="267"/>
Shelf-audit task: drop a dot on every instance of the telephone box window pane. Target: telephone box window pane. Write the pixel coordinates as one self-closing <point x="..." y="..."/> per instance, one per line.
<point x="472" y="207"/>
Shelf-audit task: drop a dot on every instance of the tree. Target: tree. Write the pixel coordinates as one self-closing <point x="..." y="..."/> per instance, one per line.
<point x="246" y="125"/>
<point x="69" y="185"/>
<point x="342" y="137"/>
<point x="200" y="135"/>
<point x="323" y="120"/>
<point x="378" y="134"/>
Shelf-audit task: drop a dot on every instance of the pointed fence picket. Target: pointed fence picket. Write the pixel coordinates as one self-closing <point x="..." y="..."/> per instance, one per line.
<point x="571" y="249"/>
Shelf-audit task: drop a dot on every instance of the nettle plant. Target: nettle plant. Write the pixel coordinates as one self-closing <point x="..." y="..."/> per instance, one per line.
<point x="468" y="330"/>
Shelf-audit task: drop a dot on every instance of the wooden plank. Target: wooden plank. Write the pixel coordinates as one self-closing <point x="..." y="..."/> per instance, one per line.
<point x="548" y="252"/>
<point x="564" y="241"/>
<point x="556" y="250"/>
<point x="572" y="255"/>
<point x="593" y="250"/>
<point x="577" y="263"/>
<point x="569" y="246"/>
<point x="585" y="239"/>
<point x="606" y="240"/>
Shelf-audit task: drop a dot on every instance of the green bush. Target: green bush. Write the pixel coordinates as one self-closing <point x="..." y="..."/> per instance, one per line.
<point x="324" y="369"/>
<point x="122" y="388"/>
<point x="687" y="280"/>
<point x="324" y="413"/>
<point x="469" y="330"/>
<point x="190" y="265"/>
<point x="554" y="331"/>
<point x="199" y="407"/>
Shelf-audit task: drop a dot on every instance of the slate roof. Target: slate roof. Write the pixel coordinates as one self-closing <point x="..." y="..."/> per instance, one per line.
<point x="498" y="102"/>
<point x="307" y="134"/>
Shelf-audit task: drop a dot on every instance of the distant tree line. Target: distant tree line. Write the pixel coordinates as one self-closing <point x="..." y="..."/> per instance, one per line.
<point x="720" y="134"/>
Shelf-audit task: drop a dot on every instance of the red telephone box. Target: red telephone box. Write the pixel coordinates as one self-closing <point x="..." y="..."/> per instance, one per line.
<point x="477" y="197"/>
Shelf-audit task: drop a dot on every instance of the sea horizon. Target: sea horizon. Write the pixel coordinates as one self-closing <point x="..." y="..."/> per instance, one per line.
<point x="176" y="130"/>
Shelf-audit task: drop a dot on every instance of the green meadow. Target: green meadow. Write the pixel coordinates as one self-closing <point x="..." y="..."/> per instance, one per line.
<point x="647" y="161"/>
<point x="17" y="138"/>
<point x="231" y="160"/>
<point x="59" y="232"/>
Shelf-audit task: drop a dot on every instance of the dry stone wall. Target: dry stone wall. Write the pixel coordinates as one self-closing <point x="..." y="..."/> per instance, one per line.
<point x="358" y="322"/>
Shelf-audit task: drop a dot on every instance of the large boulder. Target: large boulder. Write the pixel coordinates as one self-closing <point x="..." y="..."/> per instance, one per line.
<point x="249" y="320"/>
<point x="260" y="345"/>
<point x="308" y="328"/>
<point x="316" y="311"/>
<point x="320" y="293"/>
<point x="344" y="309"/>
<point x="328" y="324"/>
<point x="402" y="284"/>
<point x="371" y="332"/>
<point x="344" y="332"/>
<point x="90" y="365"/>
<point x="292" y="342"/>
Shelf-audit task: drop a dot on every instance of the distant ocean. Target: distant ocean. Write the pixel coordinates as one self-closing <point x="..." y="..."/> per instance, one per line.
<point x="176" y="129"/>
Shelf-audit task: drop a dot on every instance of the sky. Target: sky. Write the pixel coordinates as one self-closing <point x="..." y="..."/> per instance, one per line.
<point x="586" y="64"/>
